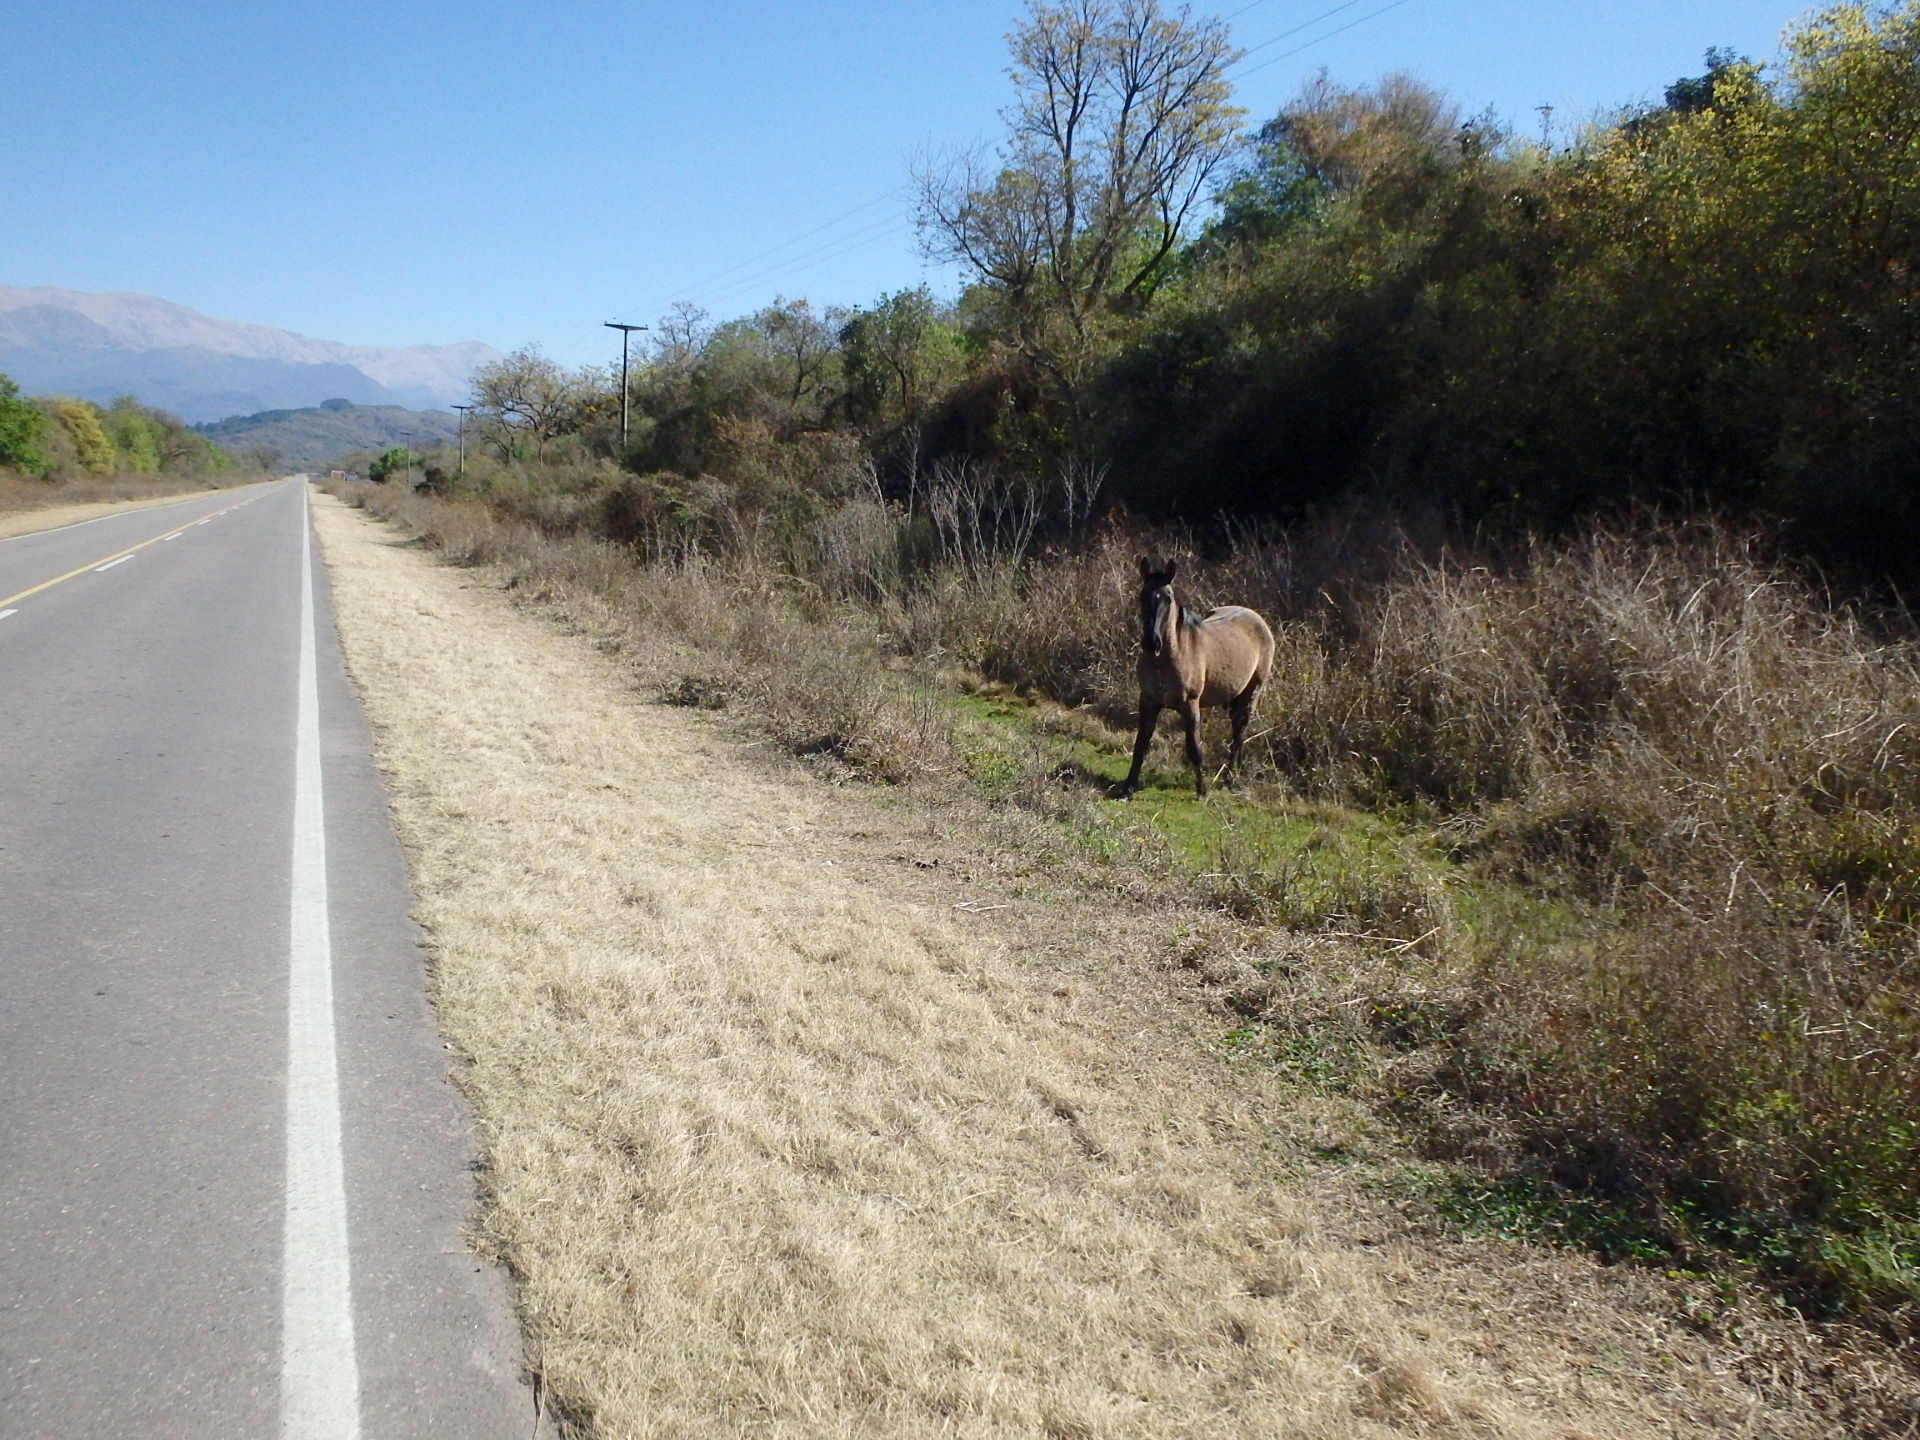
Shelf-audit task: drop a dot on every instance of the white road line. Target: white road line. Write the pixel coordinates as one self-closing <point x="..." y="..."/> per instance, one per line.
<point x="111" y="563"/>
<point x="174" y="536"/>
<point x="319" y="1374"/>
<point x="5" y="613"/>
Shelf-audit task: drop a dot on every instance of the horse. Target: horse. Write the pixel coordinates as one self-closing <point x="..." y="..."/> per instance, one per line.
<point x="1221" y="658"/>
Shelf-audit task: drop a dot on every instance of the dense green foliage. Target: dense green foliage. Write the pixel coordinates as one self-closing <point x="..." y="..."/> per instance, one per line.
<point x="22" y="427"/>
<point x="57" y="437"/>
<point x="1709" y="304"/>
<point x="398" y="460"/>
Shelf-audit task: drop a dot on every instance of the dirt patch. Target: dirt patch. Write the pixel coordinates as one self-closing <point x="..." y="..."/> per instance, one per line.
<point x="806" y="1113"/>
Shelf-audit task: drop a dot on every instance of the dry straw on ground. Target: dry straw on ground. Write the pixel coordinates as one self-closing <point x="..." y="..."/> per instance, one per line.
<point x="790" y="1131"/>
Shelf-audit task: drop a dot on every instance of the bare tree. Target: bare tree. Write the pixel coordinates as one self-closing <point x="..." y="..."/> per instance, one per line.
<point x="1122" y="117"/>
<point x="527" y="396"/>
<point x="1080" y="479"/>
<point x="980" y="515"/>
<point x="680" y="335"/>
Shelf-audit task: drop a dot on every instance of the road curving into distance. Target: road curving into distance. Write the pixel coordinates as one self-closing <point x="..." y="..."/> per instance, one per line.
<point x="232" y="1174"/>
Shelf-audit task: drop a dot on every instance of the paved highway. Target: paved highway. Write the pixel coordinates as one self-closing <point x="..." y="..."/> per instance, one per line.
<point x="232" y="1173"/>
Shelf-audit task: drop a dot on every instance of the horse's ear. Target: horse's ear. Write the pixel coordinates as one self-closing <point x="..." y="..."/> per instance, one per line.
<point x="1173" y="567"/>
<point x="1146" y="569"/>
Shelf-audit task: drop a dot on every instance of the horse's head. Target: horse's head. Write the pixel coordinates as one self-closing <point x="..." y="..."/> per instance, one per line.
<point x="1156" y="605"/>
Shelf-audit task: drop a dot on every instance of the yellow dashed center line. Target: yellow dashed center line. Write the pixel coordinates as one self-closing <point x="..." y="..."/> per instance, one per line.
<point x="117" y="556"/>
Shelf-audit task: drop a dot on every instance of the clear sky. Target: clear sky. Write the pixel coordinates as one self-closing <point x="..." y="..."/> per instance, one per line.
<point x="427" y="172"/>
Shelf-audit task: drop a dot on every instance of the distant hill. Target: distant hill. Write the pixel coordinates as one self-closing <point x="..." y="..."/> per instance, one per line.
<point x="319" y="437"/>
<point x="99" y="346"/>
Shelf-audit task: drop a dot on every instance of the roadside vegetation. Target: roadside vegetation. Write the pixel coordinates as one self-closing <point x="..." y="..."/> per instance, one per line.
<point x="56" y="450"/>
<point x="884" y="1110"/>
<point x="1577" y="480"/>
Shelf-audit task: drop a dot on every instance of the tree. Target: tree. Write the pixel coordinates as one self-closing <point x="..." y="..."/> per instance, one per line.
<point x="1388" y="146"/>
<point x="1690" y="95"/>
<point x="1122" y="118"/>
<point x="803" y="344"/>
<point x="22" y="431"/>
<point x="399" y="458"/>
<point x="526" y="396"/>
<point x="894" y="355"/>
<point x="81" y="421"/>
<point x="1269" y="194"/>
<point x="137" y="435"/>
<point x="680" y="335"/>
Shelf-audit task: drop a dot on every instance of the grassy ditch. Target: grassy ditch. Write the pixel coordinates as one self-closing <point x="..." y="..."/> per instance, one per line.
<point x="1620" y="843"/>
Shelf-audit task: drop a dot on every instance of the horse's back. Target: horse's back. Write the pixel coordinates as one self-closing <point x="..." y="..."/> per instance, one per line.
<point x="1240" y="650"/>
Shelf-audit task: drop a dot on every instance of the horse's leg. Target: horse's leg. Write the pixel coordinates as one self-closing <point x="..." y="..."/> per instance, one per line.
<point x="1242" y="708"/>
<point x="1149" y="714"/>
<point x="1190" y="718"/>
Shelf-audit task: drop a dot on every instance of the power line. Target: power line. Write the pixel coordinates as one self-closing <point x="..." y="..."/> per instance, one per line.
<point x="1303" y="25"/>
<point x="844" y="245"/>
<point x="703" y="283"/>
<point x="872" y="234"/>
<point x="1288" y="54"/>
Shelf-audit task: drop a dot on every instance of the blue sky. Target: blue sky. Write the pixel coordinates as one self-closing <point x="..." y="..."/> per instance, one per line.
<point x="431" y="172"/>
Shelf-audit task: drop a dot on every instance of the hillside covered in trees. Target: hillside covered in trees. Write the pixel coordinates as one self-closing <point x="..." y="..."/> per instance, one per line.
<point x="1709" y="304"/>
<point x="317" y="437"/>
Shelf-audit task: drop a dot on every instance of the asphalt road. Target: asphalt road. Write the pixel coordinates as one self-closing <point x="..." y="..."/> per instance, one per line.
<point x="233" y="1175"/>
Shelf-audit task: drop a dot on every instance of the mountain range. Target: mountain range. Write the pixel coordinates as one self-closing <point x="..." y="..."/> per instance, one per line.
<point x="100" y="346"/>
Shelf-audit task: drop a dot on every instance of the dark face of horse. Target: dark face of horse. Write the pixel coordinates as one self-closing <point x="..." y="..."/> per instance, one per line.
<point x="1156" y="605"/>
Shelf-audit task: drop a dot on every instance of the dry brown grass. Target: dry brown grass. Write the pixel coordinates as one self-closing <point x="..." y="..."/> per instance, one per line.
<point x="801" y="1117"/>
<point x="1699" y="752"/>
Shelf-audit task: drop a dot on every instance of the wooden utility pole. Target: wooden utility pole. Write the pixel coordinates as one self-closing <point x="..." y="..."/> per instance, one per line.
<point x="625" y="331"/>
<point x="461" y="471"/>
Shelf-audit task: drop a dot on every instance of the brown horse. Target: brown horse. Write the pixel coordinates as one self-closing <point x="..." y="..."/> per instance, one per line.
<point x="1221" y="658"/>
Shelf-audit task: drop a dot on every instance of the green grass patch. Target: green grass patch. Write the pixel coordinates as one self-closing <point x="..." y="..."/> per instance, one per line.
<point x="1824" y="1270"/>
<point x="1267" y="855"/>
<point x="1279" y="860"/>
<point x="1526" y="1207"/>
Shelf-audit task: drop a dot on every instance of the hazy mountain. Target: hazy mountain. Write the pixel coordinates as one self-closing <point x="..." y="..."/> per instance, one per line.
<point x="322" y="436"/>
<point x="98" y="347"/>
